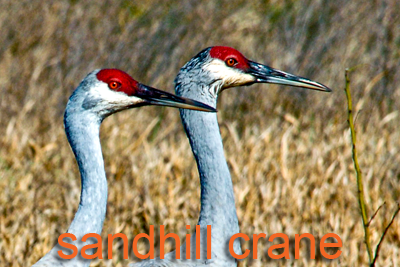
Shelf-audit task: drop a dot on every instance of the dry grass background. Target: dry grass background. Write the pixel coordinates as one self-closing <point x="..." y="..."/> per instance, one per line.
<point x="288" y="149"/>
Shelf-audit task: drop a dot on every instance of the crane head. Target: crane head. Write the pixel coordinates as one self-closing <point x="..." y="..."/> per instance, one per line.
<point x="229" y="68"/>
<point x="112" y="90"/>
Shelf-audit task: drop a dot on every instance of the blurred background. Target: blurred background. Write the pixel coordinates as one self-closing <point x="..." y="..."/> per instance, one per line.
<point x="288" y="149"/>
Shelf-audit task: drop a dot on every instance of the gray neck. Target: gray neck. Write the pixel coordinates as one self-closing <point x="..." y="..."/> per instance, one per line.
<point x="217" y="199"/>
<point x="83" y="135"/>
<point x="82" y="129"/>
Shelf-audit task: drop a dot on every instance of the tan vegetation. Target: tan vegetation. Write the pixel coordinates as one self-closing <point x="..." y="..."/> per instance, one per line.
<point x="288" y="149"/>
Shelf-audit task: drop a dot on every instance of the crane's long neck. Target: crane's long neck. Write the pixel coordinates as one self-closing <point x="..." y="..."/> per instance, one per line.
<point x="216" y="185"/>
<point x="82" y="130"/>
<point x="83" y="136"/>
<point x="217" y="198"/>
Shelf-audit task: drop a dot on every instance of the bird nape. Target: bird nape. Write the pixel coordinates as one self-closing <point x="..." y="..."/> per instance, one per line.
<point x="100" y="94"/>
<point x="202" y="78"/>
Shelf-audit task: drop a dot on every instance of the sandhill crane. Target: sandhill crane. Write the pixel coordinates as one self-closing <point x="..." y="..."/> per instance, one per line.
<point x="203" y="78"/>
<point x="100" y="94"/>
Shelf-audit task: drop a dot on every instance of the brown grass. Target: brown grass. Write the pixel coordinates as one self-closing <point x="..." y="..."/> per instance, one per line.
<point x="288" y="149"/>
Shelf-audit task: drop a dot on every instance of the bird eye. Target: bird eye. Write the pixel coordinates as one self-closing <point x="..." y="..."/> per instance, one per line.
<point x="114" y="85"/>
<point x="231" y="62"/>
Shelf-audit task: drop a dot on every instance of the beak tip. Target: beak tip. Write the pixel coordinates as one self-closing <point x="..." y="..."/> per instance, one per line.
<point x="214" y="110"/>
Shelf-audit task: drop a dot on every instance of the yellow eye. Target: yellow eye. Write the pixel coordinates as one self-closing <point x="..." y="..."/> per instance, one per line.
<point x="114" y="85"/>
<point x="231" y="62"/>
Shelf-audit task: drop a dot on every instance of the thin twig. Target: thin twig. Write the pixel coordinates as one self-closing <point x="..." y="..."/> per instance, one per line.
<point x="378" y="247"/>
<point x="376" y="212"/>
<point x="361" y="198"/>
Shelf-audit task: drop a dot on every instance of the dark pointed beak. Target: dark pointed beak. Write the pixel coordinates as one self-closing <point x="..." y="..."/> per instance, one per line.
<point x="265" y="74"/>
<point x="154" y="96"/>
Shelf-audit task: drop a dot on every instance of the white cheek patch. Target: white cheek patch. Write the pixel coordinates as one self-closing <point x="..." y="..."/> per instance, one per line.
<point x="230" y="76"/>
<point x="114" y="99"/>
